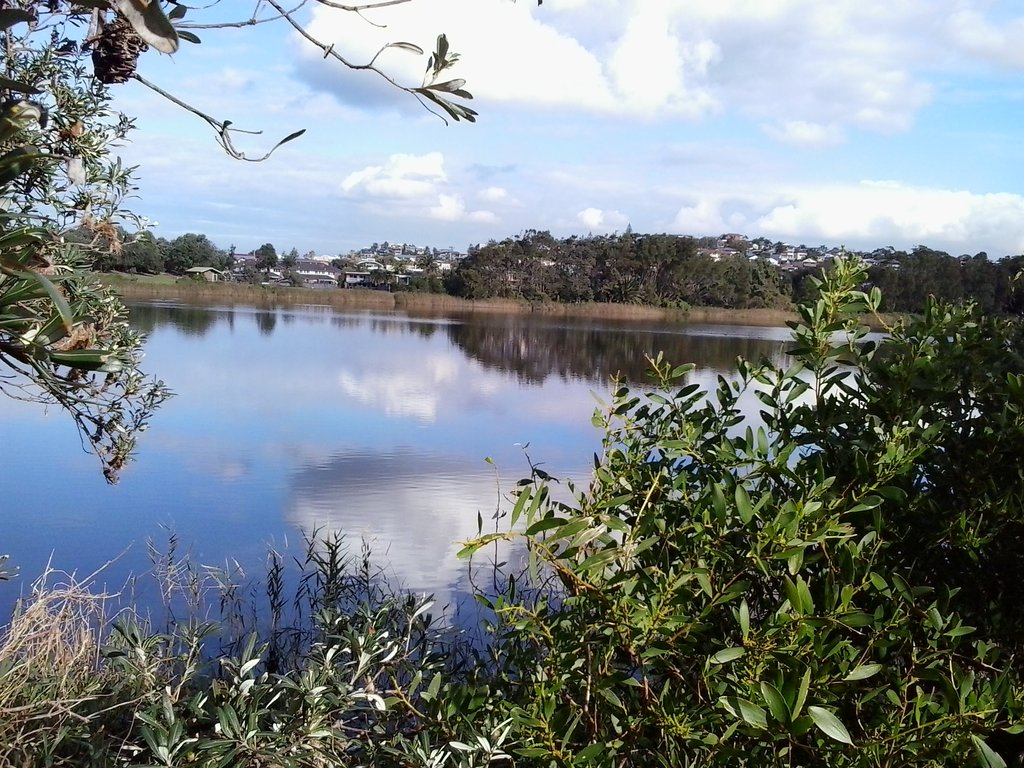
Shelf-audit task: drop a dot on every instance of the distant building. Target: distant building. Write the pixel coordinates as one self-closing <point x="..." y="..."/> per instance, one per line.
<point x="209" y="274"/>
<point x="316" y="272"/>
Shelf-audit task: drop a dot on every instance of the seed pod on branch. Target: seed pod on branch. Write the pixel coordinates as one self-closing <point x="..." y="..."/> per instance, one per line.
<point x="117" y="51"/>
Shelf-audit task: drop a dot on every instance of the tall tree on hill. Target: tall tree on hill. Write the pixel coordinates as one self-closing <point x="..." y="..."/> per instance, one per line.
<point x="190" y="250"/>
<point x="266" y="257"/>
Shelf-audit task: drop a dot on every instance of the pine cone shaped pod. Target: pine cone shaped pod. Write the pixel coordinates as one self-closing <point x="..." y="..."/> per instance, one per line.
<point x="117" y="51"/>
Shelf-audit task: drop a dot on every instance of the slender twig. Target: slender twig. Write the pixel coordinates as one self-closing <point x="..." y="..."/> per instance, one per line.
<point x="250" y="22"/>
<point x="223" y="128"/>
<point x="328" y="50"/>
<point x="364" y="7"/>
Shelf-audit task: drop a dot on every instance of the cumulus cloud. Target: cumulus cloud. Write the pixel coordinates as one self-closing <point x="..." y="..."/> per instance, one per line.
<point x="402" y="176"/>
<point x="493" y="194"/>
<point x="864" y="214"/>
<point x="977" y="36"/>
<point x="864" y="63"/>
<point x="453" y="208"/>
<point x="597" y="220"/>
<point x="803" y="133"/>
<point x="882" y="212"/>
<point x="701" y="218"/>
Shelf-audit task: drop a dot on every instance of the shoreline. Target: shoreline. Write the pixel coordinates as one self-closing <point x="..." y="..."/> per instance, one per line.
<point x="131" y="287"/>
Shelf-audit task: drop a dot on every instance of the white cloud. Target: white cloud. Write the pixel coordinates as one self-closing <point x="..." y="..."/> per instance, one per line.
<point x="508" y="54"/>
<point x="803" y="133"/>
<point x="875" y="212"/>
<point x="701" y="218"/>
<point x="448" y="208"/>
<point x="836" y="63"/>
<point x="866" y="214"/>
<point x="998" y="43"/>
<point x="402" y="176"/>
<point x="597" y="220"/>
<point x="230" y="79"/>
<point x="493" y="194"/>
<point x="648" y="67"/>
<point x="453" y="208"/>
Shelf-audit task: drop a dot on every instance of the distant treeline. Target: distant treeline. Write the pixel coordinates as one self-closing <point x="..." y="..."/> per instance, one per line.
<point x="669" y="270"/>
<point x="629" y="268"/>
<point x="662" y="270"/>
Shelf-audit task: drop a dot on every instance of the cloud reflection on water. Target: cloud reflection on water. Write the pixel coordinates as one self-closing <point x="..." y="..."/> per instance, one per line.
<point x="412" y="508"/>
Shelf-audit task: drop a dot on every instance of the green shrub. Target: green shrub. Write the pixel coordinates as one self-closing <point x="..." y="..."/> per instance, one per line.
<point x="835" y="584"/>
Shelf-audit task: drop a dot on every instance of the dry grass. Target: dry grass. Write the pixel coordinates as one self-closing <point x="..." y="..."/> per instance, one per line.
<point x="357" y="299"/>
<point x="49" y="662"/>
<point x="774" y="318"/>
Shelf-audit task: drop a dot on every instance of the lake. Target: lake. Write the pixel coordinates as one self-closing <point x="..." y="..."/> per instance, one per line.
<point x="389" y="428"/>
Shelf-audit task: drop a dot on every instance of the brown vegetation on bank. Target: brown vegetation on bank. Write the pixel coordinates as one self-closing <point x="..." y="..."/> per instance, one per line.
<point x="361" y="299"/>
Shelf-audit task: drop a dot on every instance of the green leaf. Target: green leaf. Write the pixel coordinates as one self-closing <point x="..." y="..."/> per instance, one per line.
<point x="544" y="524"/>
<point x="726" y="655"/>
<point x="776" y="702"/>
<point x="718" y="501"/>
<point x="746" y="710"/>
<point x="472" y="546"/>
<point x="449" y="86"/>
<point x="862" y="672"/>
<point x="18" y="161"/>
<point x="56" y="297"/>
<point x="600" y="560"/>
<point x="611" y="697"/>
<point x="743" y="505"/>
<point x="744" y="618"/>
<point x="188" y="37"/>
<point x="806" y="601"/>
<point x="829" y="724"/>
<point x="412" y="47"/>
<point x="801" y="696"/>
<point x="987" y="757"/>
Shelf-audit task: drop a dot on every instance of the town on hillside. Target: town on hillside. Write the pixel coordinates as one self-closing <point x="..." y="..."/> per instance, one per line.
<point x="674" y="271"/>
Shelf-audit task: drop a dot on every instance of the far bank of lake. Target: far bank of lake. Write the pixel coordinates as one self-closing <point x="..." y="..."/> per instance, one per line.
<point x="134" y="288"/>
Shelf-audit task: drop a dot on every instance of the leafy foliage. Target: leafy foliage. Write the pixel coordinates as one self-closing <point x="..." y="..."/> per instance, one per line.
<point x="789" y="592"/>
<point x="63" y="339"/>
<point x="828" y="583"/>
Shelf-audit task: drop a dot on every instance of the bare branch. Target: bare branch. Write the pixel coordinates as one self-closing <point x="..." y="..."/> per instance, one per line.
<point x="222" y="127"/>
<point x="250" y="22"/>
<point x="328" y="50"/>
<point x="360" y="8"/>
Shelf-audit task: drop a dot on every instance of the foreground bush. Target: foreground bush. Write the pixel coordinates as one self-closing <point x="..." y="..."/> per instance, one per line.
<point x="837" y="585"/>
<point x="817" y="566"/>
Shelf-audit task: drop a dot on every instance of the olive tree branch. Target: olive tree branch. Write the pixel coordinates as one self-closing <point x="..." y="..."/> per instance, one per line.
<point x="222" y="127"/>
<point x="422" y="94"/>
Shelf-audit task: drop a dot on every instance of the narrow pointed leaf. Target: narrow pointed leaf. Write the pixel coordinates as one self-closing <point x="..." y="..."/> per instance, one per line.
<point x="863" y="671"/>
<point x="829" y="724"/>
<point x="987" y="757"/>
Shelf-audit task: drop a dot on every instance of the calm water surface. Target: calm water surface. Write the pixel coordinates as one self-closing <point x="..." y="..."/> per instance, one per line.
<point x="290" y="420"/>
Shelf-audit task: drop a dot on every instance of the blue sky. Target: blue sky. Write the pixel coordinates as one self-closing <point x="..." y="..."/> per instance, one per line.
<point x="850" y="122"/>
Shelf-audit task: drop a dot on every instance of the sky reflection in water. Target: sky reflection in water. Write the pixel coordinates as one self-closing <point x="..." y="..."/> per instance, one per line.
<point x="376" y="426"/>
